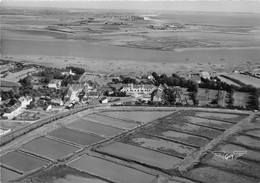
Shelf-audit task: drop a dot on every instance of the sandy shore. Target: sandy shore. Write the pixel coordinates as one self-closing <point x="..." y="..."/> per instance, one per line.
<point x="111" y="66"/>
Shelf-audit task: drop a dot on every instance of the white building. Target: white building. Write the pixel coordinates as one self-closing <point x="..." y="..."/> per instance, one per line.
<point x="131" y="88"/>
<point x="104" y="100"/>
<point x="205" y="75"/>
<point x="67" y="72"/>
<point x="55" y="83"/>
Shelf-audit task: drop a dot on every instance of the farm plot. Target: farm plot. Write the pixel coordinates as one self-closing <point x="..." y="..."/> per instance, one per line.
<point x="249" y="80"/>
<point x="112" y="121"/>
<point x="91" y="127"/>
<point x="227" y="81"/>
<point x="22" y="162"/>
<point x="241" y="99"/>
<point x="140" y="155"/>
<point x="110" y="170"/>
<point x="7" y="175"/>
<point x="142" y="116"/>
<point x="169" y="147"/>
<point x="49" y="148"/>
<point x="75" y="137"/>
<point x="65" y="174"/>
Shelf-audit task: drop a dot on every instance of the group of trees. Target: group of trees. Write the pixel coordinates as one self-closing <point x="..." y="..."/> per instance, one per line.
<point x="49" y="73"/>
<point x="125" y="80"/>
<point x="175" y="80"/>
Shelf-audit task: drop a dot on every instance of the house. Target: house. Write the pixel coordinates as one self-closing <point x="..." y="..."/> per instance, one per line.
<point x="131" y="88"/>
<point x="54" y="83"/>
<point x="103" y="100"/>
<point x="67" y="72"/>
<point x="195" y="77"/>
<point x="205" y="75"/>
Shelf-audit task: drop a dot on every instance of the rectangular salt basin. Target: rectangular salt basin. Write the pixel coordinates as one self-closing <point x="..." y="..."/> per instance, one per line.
<point x="66" y="174"/>
<point x="238" y="165"/>
<point x="142" y="116"/>
<point x="75" y="136"/>
<point x="216" y="115"/>
<point x="195" y="129"/>
<point x="49" y="148"/>
<point x="139" y="154"/>
<point x="165" y="146"/>
<point x="111" y="121"/>
<point x="22" y="161"/>
<point x="96" y="128"/>
<point x="246" y="141"/>
<point x="208" y="174"/>
<point x="7" y="175"/>
<point x="209" y="122"/>
<point x="110" y="170"/>
<point x="185" y="138"/>
<point x="230" y="148"/>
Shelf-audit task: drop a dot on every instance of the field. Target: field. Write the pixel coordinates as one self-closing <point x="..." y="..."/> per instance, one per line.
<point x="248" y="80"/>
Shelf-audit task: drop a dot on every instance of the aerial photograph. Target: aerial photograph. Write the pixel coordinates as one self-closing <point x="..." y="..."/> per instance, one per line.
<point x="130" y="91"/>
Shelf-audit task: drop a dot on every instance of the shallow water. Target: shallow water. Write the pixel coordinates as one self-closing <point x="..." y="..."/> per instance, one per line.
<point x="110" y="170"/>
<point x="76" y="179"/>
<point x="96" y="128"/>
<point x="49" y="148"/>
<point x="166" y="146"/>
<point x="111" y="121"/>
<point x="22" y="162"/>
<point x="75" y="136"/>
<point x="139" y="154"/>
<point x="78" y="48"/>
<point x="7" y="175"/>
<point x="142" y="116"/>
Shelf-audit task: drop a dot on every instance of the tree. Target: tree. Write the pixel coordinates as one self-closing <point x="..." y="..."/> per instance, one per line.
<point x="170" y="95"/>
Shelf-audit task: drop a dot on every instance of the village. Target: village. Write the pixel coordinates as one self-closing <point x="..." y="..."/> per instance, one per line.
<point x="34" y="92"/>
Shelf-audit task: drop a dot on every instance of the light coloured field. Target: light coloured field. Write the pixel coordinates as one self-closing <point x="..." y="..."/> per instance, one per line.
<point x="249" y="80"/>
<point x="227" y="81"/>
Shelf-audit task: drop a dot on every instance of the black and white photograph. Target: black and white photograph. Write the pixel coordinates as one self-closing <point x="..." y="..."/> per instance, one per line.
<point x="130" y="91"/>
